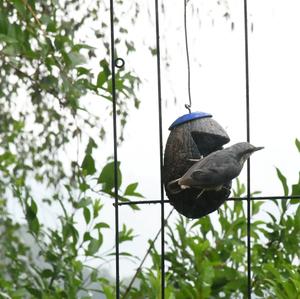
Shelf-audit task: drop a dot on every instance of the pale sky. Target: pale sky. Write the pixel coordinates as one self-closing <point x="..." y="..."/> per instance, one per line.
<point x="218" y="87"/>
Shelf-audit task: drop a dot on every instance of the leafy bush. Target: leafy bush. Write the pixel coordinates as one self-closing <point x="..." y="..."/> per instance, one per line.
<point x="49" y="76"/>
<point x="207" y="258"/>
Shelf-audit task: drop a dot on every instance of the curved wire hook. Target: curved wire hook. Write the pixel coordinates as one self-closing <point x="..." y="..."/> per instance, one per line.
<point x="119" y="63"/>
<point x="188" y="107"/>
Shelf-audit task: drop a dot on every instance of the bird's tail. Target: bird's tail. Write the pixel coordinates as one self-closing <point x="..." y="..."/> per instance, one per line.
<point x="173" y="187"/>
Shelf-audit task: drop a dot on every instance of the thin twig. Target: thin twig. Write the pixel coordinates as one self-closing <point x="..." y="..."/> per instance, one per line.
<point x="144" y="258"/>
<point x="33" y="14"/>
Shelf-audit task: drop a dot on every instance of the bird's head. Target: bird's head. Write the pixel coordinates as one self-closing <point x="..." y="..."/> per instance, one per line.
<point x="244" y="150"/>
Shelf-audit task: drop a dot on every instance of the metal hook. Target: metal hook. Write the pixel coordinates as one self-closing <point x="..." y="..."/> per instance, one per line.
<point x="188" y="107"/>
<point x="119" y="63"/>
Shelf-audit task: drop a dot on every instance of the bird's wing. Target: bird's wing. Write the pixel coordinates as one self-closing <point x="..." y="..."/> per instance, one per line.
<point x="215" y="173"/>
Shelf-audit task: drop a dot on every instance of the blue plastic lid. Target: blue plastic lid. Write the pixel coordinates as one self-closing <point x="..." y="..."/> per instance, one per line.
<point x="188" y="117"/>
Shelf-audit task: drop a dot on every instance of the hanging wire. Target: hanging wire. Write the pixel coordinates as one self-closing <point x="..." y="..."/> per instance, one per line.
<point x="160" y="151"/>
<point x="187" y="106"/>
<point x="248" y="161"/>
<point x="114" y="102"/>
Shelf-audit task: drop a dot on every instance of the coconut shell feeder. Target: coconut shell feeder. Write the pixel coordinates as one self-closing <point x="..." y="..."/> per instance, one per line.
<point x="191" y="136"/>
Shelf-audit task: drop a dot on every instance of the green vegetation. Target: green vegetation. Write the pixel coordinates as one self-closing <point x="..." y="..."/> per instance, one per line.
<point x="207" y="259"/>
<point x="50" y="77"/>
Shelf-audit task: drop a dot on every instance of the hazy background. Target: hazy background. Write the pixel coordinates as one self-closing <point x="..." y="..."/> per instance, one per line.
<point x="216" y="44"/>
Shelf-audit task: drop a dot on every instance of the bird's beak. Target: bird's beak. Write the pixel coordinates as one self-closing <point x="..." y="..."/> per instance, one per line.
<point x="258" y="148"/>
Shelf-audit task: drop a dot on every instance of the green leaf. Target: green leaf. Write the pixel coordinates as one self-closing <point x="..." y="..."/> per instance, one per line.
<point x="107" y="176"/>
<point x="297" y="219"/>
<point x="240" y="189"/>
<point x="204" y="225"/>
<point x="101" y="79"/>
<point x="51" y="257"/>
<point x="69" y="230"/>
<point x="123" y="253"/>
<point x="283" y="180"/>
<point x="97" y="207"/>
<point x="8" y="39"/>
<point x="18" y="294"/>
<point x="94" y="275"/>
<point x="87" y="237"/>
<point x="130" y="47"/>
<point x="296" y="191"/>
<point x="76" y="58"/>
<point x="31" y="216"/>
<point x="10" y="50"/>
<point x="82" y="71"/>
<point x="125" y="234"/>
<point x="238" y="207"/>
<point x="297" y="142"/>
<point x="289" y="289"/>
<point x="20" y="6"/>
<point x="35" y="292"/>
<point x="88" y="165"/>
<point x="101" y="225"/>
<point x="84" y="202"/>
<point x="130" y="190"/>
<point x="236" y="284"/>
<point x="108" y="291"/>
<point x="272" y="217"/>
<point x="153" y="51"/>
<point x="78" y="47"/>
<point x="87" y="215"/>
<point x="60" y="41"/>
<point x="105" y="66"/>
<point x="49" y="82"/>
<point x="94" y="245"/>
<point x="91" y="144"/>
<point x="47" y="273"/>
<point x="51" y="27"/>
<point x="83" y="186"/>
<point x="256" y="206"/>
<point x="125" y="199"/>
<point x="120" y="85"/>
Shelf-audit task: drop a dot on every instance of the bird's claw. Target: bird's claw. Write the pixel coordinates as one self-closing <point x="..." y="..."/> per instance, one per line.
<point x="199" y="195"/>
<point x="195" y="160"/>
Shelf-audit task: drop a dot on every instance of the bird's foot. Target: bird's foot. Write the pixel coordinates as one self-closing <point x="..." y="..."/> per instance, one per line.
<point x="196" y="160"/>
<point x="226" y="188"/>
<point x="199" y="195"/>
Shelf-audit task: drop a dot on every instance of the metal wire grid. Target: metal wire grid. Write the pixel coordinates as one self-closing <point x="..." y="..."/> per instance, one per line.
<point x="162" y="201"/>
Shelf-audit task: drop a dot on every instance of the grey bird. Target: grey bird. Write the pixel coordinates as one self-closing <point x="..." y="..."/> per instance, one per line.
<point x="214" y="170"/>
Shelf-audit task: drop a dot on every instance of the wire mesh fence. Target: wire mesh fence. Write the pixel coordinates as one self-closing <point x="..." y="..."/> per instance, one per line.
<point x="115" y="62"/>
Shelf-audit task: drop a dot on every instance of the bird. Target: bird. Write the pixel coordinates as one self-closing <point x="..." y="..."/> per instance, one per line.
<point x="215" y="169"/>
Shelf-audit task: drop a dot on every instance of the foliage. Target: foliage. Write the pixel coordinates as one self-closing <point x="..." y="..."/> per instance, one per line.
<point x="207" y="258"/>
<point x="54" y="76"/>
